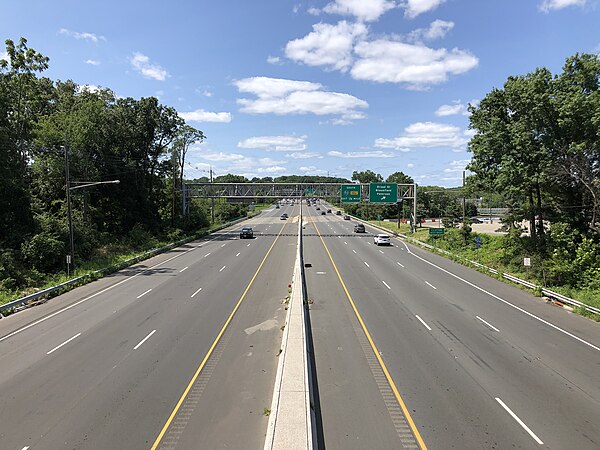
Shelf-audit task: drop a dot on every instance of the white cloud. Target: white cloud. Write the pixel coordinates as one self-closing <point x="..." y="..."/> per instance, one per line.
<point x="85" y="36"/>
<point x="141" y="63"/>
<point x="437" y="30"/>
<point x="4" y="55"/>
<point x="363" y="10"/>
<point x="200" y="115"/>
<point x="549" y="5"/>
<point x="276" y="143"/>
<point x="285" y="97"/>
<point x="415" y="64"/>
<point x="304" y="155"/>
<point x="91" y="88"/>
<point x="274" y="59"/>
<point x="457" y="166"/>
<point x="426" y="134"/>
<point x="92" y="62"/>
<point x="456" y="108"/>
<point x="415" y="7"/>
<point x="272" y="170"/>
<point x="370" y="154"/>
<point x="223" y="157"/>
<point x="410" y="165"/>
<point x="327" y="45"/>
<point x="312" y="170"/>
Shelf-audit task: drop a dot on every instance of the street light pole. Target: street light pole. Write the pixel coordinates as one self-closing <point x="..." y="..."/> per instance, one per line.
<point x="71" y="255"/>
<point x="69" y="188"/>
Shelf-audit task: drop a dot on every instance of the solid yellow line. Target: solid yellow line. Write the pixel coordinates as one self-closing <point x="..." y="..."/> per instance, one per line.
<point x="211" y="349"/>
<point x="374" y="347"/>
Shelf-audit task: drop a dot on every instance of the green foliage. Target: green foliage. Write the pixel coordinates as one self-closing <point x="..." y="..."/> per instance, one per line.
<point x="44" y="252"/>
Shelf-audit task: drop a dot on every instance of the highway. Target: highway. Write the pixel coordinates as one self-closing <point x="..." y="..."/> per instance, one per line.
<point x="411" y="351"/>
<point x="106" y="366"/>
<point x="477" y="363"/>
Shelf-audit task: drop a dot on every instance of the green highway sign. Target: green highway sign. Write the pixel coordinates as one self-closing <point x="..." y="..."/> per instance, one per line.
<point x="383" y="192"/>
<point x="436" y="231"/>
<point x="350" y="193"/>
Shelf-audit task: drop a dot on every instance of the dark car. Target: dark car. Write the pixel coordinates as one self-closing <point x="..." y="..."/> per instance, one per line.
<point x="338" y="213"/>
<point x="476" y="220"/>
<point x="322" y="213"/>
<point x="328" y="210"/>
<point x="359" y="228"/>
<point x="276" y="206"/>
<point x="246" y="233"/>
<point x="318" y="209"/>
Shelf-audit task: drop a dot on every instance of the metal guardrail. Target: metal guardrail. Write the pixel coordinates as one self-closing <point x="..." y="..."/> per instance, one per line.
<point x="555" y="296"/>
<point x="62" y="287"/>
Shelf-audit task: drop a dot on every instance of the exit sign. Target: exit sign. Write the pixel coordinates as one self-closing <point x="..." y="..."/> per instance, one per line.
<point x="383" y="192"/>
<point x="350" y="193"/>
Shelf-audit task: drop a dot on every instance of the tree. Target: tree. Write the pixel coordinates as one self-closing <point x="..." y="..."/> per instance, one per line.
<point x="400" y="178"/>
<point x="186" y="136"/>
<point x="366" y="176"/>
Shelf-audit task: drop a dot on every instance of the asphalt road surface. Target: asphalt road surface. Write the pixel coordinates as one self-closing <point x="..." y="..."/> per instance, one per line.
<point x="476" y="363"/>
<point x="411" y="350"/>
<point x="153" y="356"/>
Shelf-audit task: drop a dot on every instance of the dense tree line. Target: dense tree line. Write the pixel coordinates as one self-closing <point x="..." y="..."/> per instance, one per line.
<point x="141" y="143"/>
<point x="537" y="144"/>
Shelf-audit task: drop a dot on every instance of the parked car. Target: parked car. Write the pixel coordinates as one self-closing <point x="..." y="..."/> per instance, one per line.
<point x="382" y="239"/>
<point x="246" y="233"/>
<point x="359" y="228"/>
<point x="346" y="217"/>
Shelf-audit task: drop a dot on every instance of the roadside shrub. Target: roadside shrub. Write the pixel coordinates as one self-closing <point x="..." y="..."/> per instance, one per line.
<point x="44" y="252"/>
<point x="140" y="238"/>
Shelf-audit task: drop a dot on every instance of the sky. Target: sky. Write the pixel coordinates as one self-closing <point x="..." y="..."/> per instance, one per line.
<point x="313" y="87"/>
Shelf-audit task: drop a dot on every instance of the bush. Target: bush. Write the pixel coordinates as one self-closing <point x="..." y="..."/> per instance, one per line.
<point x="140" y="238"/>
<point x="44" y="252"/>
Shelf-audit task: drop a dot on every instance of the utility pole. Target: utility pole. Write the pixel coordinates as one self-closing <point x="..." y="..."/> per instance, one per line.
<point x="71" y="255"/>
<point x="464" y="219"/>
<point x="212" y="198"/>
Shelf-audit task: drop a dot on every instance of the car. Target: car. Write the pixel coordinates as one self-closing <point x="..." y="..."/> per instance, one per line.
<point x="328" y="210"/>
<point x="476" y="220"/>
<point x="246" y="233"/>
<point x="318" y="209"/>
<point x="359" y="228"/>
<point x="323" y="213"/>
<point x="346" y="217"/>
<point x="382" y="239"/>
<point x="338" y="213"/>
<point x="276" y="206"/>
<point x="284" y="216"/>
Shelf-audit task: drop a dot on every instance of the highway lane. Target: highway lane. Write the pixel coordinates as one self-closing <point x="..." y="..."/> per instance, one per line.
<point x="107" y="372"/>
<point x="460" y="375"/>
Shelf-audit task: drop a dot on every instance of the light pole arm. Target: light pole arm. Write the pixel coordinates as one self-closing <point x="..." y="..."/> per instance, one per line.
<point x="92" y="183"/>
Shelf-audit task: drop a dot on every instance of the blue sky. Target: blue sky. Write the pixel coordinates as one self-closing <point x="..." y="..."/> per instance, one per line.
<point x="312" y="87"/>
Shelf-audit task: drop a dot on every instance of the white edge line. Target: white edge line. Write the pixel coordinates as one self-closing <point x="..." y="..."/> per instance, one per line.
<point x="222" y="268"/>
<point x="386" y="285"/>
<point x="43" y="319"/>
<point x="144" y="340"/>
<point x="518" y="308"/>
<point x="199" y="289"/>
<point x="238" y="254"/>
<point x="354" y="250"/>
<point x="489" y="324"/>
<point x="423" y="322"/>
<point x="431" y="285"/>
<point x="207" y="254"/>
<point x="64" y="343"/>
<point x="520" y="422"/>
<point x="366" y="264"/>
<point x="185" y="268"/>
<point x="401" y="265"/>
<point x="141" y="295"/>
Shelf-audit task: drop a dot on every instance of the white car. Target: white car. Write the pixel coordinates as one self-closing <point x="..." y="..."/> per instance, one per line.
<point x="382" y="239"/>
